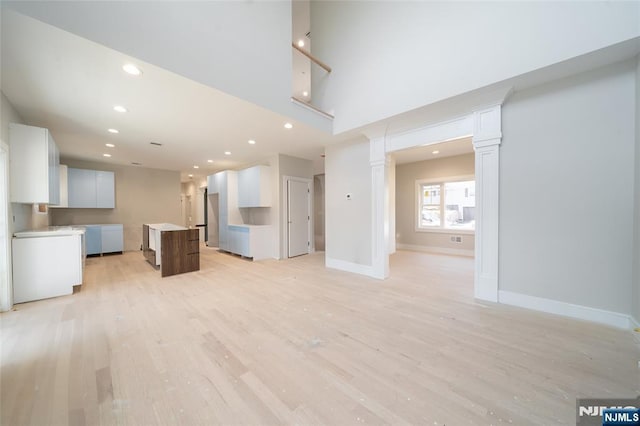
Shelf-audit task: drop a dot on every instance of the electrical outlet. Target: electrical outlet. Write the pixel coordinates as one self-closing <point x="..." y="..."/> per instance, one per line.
<point x="456" y="239"/>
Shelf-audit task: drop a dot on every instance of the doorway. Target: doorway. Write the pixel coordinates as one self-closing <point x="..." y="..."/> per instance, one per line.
<point x="298" y="216"/>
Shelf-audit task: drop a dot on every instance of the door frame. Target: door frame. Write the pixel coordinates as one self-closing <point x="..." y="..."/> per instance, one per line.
<point x="285" y="214"/>
<point x="6" y="285"/>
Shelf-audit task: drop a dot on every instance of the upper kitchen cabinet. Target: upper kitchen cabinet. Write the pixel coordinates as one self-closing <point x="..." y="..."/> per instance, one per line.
<point x="34" y="165"/>
<point x="91" y="189"/>
<point x="254" y="187"/>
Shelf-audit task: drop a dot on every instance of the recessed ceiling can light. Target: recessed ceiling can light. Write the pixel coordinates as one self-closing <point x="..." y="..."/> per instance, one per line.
<point x="227" y="153"/>
<point x="115" y="131"/>
<point x="190" y="175"/>
<point x="305" y="93"/>
<point x="288" y="126"/>
<point x="301" y="43"/>
<point x="209" y="161"/>
<point x="132" y="69"/>
<point x="435" y="152"/>
<point x="119" y="108"/>
<point x="251" y="142"/>
<point x="106" y="155"/>
<point x="110" y="145"/>
<point x="196" y="167"/>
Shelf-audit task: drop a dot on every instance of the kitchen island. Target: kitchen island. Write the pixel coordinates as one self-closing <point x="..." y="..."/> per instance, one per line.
<point x="173" y="249"/>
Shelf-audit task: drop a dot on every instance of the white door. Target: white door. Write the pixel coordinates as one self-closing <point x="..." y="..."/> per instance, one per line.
<point x="298" y="218"/>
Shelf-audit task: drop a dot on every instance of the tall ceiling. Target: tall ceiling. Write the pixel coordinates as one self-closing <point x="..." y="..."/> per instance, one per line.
<point x="70" y="85"/>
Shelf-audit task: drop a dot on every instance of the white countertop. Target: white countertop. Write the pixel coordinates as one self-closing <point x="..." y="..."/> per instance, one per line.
<point x="50" y="231"/>
<point x="166" y="227"/>
<point x="244" y="225"/>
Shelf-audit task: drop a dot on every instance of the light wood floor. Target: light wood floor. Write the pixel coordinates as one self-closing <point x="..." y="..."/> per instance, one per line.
<point x="290" y="342"/>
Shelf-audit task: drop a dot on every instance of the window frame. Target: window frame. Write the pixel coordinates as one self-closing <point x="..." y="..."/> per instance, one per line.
<point x="418" y="204"/>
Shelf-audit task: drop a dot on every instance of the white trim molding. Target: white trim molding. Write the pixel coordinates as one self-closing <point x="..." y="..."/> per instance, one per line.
<point x="486" y="143"/>
<point x="380" y="164"/>
<point x="565" y="309"/>
<point x="436" y="250"/>
<point x="343" y="265"/>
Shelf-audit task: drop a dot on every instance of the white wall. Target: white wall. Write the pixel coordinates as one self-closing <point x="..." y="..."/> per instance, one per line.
<point x="636" y="246"/>
<point x="242" y="48"/>
<point x="348" y="222"/>
<point x="406" y="177"/>
<point x="390" y="57"/>
<point x="566" y="190"/>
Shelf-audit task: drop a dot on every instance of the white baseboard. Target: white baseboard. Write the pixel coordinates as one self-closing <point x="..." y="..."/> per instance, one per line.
<point x="601" y="316"/>
<point x="349" y="266"/>
<point x="437" y="250"/>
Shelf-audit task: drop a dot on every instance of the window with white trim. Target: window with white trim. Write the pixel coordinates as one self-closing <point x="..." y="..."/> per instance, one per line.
<point x="447" y="205"/>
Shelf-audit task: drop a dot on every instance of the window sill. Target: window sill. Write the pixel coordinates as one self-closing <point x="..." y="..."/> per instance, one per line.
<point x="447" y="231"/>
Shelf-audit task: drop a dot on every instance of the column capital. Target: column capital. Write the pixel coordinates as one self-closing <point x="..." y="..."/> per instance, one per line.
<point x="377" y="151"/>
<point x="487" y="127"/>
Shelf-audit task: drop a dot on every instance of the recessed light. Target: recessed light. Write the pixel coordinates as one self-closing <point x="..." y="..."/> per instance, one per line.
<point x="106" y="155"/>
<point x="119" y="108"/>
<point x="209" y="161"/>
<point x="227" y="153"/>
<point x="288" y="126"/>
<point x="132" y="69"/>
<point x="115" y="131"/>
<point x="190" y="175"/>
<point x="110" y="145"/>
<point x="305" y="93"/>
<point x="301" y="43"/>
<point x="196" y="167"/>
<point x="435" y="152"/>
<point x="251" y="142"/>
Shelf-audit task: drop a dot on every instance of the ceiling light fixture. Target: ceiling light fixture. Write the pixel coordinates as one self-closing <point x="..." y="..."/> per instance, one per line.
<point x="301" y="43"/>
<point x="435" y="152"/>
<point x="132" y="69"/>
<point x="288" y="126"/>
<point x="110" y="145"/>
<point x="196" y="167"/>
<point x="115" y="131"/>
<point x="251" y="142"/>
<point x="305" y="93"/>
<point x="190" y="175"/>
<point x="227" y="153"/>
<point x="106" y="155"/>
<point x="209" y="161"/>
<point x="119" y="108"/>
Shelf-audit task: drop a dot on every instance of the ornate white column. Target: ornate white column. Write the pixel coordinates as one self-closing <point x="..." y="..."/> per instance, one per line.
<point x="487" y="136"/>
<point x="379" y="209"/>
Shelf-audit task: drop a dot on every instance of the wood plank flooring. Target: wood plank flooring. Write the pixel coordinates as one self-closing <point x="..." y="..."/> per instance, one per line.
<point x="290" y="342"/>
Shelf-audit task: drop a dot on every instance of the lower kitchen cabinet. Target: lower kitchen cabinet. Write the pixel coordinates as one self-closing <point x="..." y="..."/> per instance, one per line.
<point x="101" y="239"/>
<point x="252" y="241"/>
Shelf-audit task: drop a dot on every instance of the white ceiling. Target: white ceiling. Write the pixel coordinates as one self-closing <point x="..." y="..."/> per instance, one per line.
<point x="68" y="84"/>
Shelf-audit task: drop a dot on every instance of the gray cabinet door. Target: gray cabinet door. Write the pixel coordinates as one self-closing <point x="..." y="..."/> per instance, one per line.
<point x="112" y="238"/>
<point x="105" y="190"/>
<point x="93" y="239"/>
<point x="82" y="188"/>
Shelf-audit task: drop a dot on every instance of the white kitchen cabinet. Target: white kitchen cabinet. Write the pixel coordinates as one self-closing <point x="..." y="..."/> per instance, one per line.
<point x="254" y="187"/>
<point x="91" y="188"/>
<point x="101" y="239"/>
<point x="34" y="165"/>
<point x="252" y="241"/>
<point x="46" y="266"/>
<point x="112" y="238"/>
<point x="223" y="187"/>
<point x="64" y="187"/>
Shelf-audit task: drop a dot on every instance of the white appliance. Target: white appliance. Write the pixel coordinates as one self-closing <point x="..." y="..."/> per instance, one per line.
<point x="47" y="262"/>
